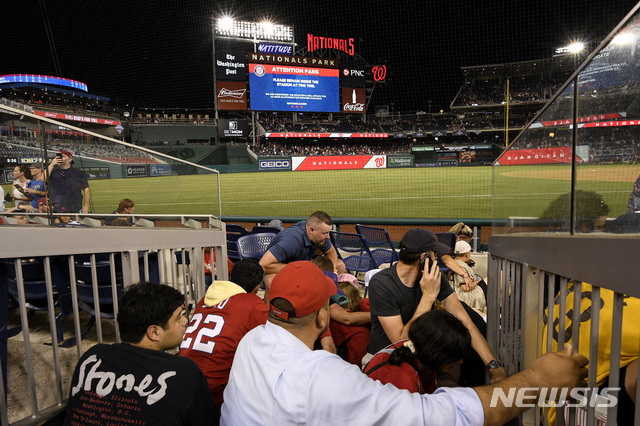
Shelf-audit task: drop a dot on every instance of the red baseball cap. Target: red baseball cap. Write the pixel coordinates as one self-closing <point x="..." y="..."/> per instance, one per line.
<point x="67" y="153"/>
<point x="304" y="285"/>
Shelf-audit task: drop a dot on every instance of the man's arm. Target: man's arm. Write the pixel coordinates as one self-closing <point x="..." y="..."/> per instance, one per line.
<point x="270" y="264"/>
<point x="553" y="370"/>
<point x="457" y="269"/>
<point x="342" y="316"/>
<point x="453" y="306"/>
<point x="87" y="197"/>
<point x="56" y="161"/>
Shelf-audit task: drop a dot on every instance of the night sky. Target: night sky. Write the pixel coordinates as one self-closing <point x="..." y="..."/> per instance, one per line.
<point x="159" y="53"/>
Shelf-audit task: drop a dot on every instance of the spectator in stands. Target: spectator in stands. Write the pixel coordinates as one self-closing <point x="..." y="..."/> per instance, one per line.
<point x="3" y="202"/>
<point x="68" y="186"/>
<point x="406" y="290"/>
<point x="210" y="268"/>
<point x="276" y="377"/>
<point x="464" y="233"/>
<point x="126" y="207"/>
<point x="477" y="297"/>
<point x="351" y="333"/>
<point x="36" y="189"/>
<point x="437" y="341"/>
<point x="300" y="241"/>
<point x="22" y="176"/>
<point x="222" y="317"/>
<point x="138" y="372"/>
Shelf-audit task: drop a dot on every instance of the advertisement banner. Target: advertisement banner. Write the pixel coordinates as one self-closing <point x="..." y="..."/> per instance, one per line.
<point x="30" y="160"/>
<point x="448" y="163"/>
<point x="160" y="170"/>
<point x="400" y="161"/>
<point x="353" y="100"/>
<point x="274" y="164"/>
<point x="468" y="157"/>
<point x="536" y="156"/>
<point x="71" y="117"/>
<point x="136" y="171"/>
<point x="232" y="95"/>
<point x="278" y="49"/>
<point x="339" y="162"/>
<point x="352" y="73"/>
<point x="327" y="135"/>
<point x="233" y="128"/>
<point x="96" y="172"/>
<point x="231" y="60"/>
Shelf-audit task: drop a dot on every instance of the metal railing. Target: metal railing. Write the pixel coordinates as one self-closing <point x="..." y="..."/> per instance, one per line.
<point x="180" y="263"/>
<point x="532" y="280"/>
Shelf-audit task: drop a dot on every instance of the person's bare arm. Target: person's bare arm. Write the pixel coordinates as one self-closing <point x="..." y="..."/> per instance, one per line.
<point x="270" y="264"/>
<point x="328" y="344"/>
<point x="457" y="269"/>
<point x="553" y="370"/>
<point x="87" y="197"/>
<point x="342" y="316"/>
<point x="453" y="306"/>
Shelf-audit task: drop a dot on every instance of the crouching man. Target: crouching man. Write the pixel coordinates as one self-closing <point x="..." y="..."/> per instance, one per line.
<point x="136" y="382"/>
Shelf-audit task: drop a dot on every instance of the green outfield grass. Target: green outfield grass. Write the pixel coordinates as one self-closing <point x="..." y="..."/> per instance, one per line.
<point x="438" y="192"/>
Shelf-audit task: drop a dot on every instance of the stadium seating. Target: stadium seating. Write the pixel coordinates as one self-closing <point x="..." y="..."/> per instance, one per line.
<point x="379" y="237"/>
<point x="234" y="232"/>
<point x="253" y="246"/>
<point x="362" y="260"/>
<point x="260" y="229"/>
<point x="449" y="240"/>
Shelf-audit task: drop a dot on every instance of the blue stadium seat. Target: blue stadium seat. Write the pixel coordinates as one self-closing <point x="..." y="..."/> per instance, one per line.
<point x="362" y="260"/>
<point x="449" y="240"/>
<point x="379" y="237"/>
<point x="253" y="246"/>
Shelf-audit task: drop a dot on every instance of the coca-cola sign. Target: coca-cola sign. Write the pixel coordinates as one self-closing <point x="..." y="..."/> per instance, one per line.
<point x="353" y="100"/>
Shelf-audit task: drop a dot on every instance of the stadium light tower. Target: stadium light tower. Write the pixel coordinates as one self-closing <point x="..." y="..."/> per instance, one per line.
<point x="227" y="28"/>
<point x="576" y="48"/>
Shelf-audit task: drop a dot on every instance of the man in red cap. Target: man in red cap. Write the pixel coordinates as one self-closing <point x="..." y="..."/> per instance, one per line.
<point x="67" y="185"/>
<point x="277" y="378"/>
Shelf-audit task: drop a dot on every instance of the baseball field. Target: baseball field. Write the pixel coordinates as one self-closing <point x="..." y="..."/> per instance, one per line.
<point x="432" y="192"/>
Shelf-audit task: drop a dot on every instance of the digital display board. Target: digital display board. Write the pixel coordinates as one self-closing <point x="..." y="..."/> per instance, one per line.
<point x="275" y="87"/>
<point x="42" y="79"/>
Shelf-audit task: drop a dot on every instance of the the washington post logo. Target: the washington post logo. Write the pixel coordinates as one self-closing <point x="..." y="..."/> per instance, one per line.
<point x="545" y="397"/>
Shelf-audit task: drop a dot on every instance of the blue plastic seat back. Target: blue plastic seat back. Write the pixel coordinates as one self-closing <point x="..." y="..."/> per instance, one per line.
<point x="362" y="260"/>
<point x="379" y="237"/>
<point x="260" y="229"/>
<point x="253" y="246"/>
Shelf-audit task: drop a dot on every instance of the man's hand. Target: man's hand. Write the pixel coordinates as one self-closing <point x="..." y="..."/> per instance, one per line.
<point x="85" y="209"/>
<point x="430" y="281"/>
<point x="469" y="282"/>
<point x="561" y="369"/>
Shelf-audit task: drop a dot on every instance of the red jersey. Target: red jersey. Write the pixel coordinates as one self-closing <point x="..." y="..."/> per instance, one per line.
<point x="213" y="335"/>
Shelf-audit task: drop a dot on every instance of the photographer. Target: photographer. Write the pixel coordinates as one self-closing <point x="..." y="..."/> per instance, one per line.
<point x="67" y="185"/>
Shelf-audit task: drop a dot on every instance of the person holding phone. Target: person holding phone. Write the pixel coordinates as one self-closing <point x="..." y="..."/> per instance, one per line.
<point x="22" y="176"/>
<point x="408" y="289"/>
<point x="68" y="186"/>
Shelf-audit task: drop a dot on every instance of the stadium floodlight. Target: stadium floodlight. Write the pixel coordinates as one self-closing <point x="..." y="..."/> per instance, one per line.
<point x="624" y="38"/>
<point x="254" y="31"/>
<point x="573" y="48"/>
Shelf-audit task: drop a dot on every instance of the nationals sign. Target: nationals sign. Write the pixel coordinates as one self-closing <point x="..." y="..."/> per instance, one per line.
<point x="339" y="162"/>
<point x="537" y="156"/>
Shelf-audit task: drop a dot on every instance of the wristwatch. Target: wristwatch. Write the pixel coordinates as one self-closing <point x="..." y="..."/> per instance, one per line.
<point x="493" y="364"/>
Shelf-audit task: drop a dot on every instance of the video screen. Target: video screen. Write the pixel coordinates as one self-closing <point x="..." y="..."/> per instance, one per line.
<point x="293" y="88"/>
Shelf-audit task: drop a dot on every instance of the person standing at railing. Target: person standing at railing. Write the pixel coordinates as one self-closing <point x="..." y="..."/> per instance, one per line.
<point x="68" y="186"/>
<point x="36" y="189"/>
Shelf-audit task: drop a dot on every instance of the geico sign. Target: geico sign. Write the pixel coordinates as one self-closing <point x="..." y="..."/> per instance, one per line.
<point x="275" y="164"/>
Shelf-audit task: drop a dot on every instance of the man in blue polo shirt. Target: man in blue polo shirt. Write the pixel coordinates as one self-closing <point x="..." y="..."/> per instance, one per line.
<point x="300" y="242"/>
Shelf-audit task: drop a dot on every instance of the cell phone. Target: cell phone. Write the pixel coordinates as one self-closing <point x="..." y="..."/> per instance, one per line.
<point x="425" y="260"/>
<point x="59" y="155"/>
<point x="19" y="188"/>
